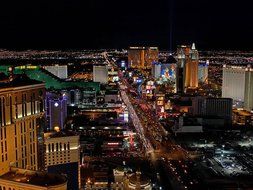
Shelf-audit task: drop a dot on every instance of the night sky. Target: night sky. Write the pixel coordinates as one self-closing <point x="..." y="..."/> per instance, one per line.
<point x="44" y="24"/>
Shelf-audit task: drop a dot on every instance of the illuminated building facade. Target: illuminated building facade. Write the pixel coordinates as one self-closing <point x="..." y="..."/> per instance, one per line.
<point x="124" y="178"/>
<point x="60" y="71"/>
<point x="248" y="94"/>
<point x="242" y="118"/>
<point x="213" y="107"/>
<point x="151" y="56"/>
<point x="182" y="57"/>
<point x="203" y="106"/>
<point x="62" y="156"/>
<point x="160" y="104"/>
<point x="165" y="71"/>
<point x="100" y="73"/>
<point x="21" y="113"/>
<point x="192" y="63"/>
<point x="168" y="72"/>
<point x="81" y="97"/>
<point x="150" y="88"/>
<point x="188" y="61"/>
<point x="112" y="74"/>
<point x="218" y="107"/>
<point x="56" y="110"/>
<point x="138" y="181"/>
<point x="233" y="83"/>
<point x="136" y="57"/>
<point x="203" y="72"/>
<point x="142" y="57"/>
<point x="156" y="70"/>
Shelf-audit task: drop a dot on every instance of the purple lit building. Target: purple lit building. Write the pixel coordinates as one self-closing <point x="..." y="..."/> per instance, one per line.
<point x="56" y="110"/>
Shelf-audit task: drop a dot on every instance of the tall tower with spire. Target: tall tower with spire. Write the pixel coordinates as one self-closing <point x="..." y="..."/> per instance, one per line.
<point x="182" y="54"/>
<point x="188" y="61"/>
<point x="192" y="66"/>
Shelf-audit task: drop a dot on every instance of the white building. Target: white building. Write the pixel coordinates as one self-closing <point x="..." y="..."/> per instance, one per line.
<point x="62" y="155"/>
<point x="156" y="70"/>
<point x="233" y="83"/>
<point x="60" y="71"/>
<point x="203" y="72"/>
<point x="100" y="73"/>
<point x="248" y="97"/>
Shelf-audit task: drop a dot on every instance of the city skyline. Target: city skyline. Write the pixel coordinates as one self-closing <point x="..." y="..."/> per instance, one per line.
<point x="101" y="119"/>
<point x="97" y="24"/>
<point x="126" y="95"/>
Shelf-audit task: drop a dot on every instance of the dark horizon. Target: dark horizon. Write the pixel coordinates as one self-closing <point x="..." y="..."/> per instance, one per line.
<point x="94" y="24"/>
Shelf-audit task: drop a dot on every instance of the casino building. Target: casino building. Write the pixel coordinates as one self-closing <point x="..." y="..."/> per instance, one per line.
<point x="21" y="115"/>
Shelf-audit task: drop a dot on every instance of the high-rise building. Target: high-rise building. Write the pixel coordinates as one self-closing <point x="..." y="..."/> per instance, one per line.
<point x="233" y="83"/>
<point x="21" y="112"/>
<point x="136" y="57"/>
<point x="81" y="97"/>
<point x="56" y="110"/>
<point x="60" y="71"/>
<point x="142" y="57"/>
<point x="151" y="56"/>
<point x="221" y="107"/>
<point x="182" y="54"/>
<point x="212" y="106"/>
<point x="179" y="79"/>
<point x="62" y="156"/>
<point x="203" y="72"/>
<point x="192" y="63"/>
<point x="197" y="108"/>
<point x="248" y="93"/>
<point x="166" y="70"/>
<point x="188" y="59"/>
<point x="209" y="107"/>
<point x="100" y="73"/>
<point x="156" y="70"/>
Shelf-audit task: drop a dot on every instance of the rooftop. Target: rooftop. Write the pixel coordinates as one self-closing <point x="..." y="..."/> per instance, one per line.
<point x="33" y="178"/>
<point x="39" y="74"/>
<point x="55" y="134"/>
<point x="135" y="178"/>
<point x="242" y="112"/>
<point x="19" y="80"/>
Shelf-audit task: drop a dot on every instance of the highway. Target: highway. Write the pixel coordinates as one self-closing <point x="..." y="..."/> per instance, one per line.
<point x="159" y="145"/>
<point x="151" y="131"/>
<point x="161" y="150"/>
<point x="136" y="121"/>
